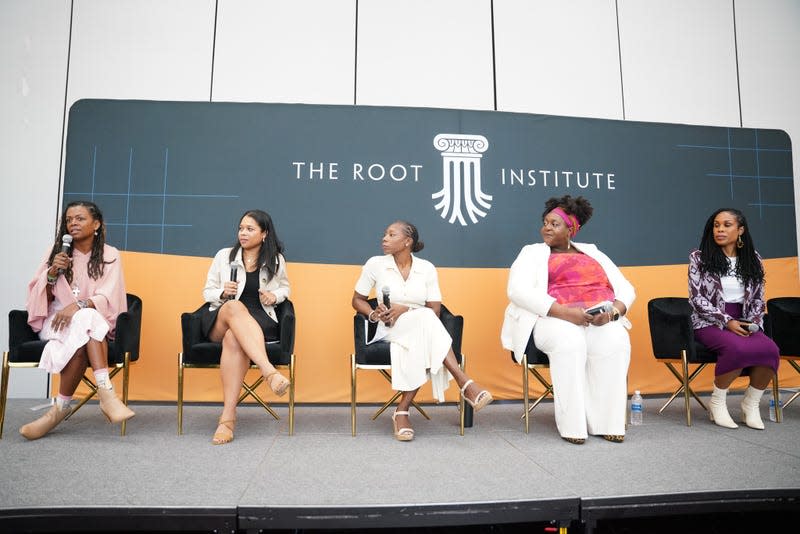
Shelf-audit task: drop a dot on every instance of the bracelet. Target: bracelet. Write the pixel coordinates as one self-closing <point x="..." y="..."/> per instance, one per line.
<point x="370" y="319"/>
<point x="83" y="303"/>
<point x="615" y="315"/>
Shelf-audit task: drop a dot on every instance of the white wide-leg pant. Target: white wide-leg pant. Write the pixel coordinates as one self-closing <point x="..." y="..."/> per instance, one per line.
<point x="589" y="369"/>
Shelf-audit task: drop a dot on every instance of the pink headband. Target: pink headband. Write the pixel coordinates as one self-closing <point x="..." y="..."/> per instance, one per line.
<point x="570" y="220"/>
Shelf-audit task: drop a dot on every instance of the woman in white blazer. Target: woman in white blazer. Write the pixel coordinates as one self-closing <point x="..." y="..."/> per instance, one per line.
<point x="244" y="284"/>
<point x="552" y="286"/>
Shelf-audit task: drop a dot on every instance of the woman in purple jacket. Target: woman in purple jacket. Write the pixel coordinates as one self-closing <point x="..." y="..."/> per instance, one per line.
<point x="726" y="294"/>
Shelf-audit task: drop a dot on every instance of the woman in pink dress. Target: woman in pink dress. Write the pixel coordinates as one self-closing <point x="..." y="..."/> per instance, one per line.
<point x="73" y="303"/>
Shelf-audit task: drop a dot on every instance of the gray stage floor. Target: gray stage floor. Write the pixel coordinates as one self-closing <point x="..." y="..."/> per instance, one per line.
<point x="322" y="477"/>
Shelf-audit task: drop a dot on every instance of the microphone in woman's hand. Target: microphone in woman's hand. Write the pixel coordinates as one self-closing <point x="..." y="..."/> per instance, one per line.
<point x="66" y="244"/>
<point x="385" y="292"/>
<point x="747" y="325"/>
<point x="233" y="276"/>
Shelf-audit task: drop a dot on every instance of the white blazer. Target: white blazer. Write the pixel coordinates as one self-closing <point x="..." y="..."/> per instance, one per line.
<point x="527" y="292"/>
<point x="220" y="272"/>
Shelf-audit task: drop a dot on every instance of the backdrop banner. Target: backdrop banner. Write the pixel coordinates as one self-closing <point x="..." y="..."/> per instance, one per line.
<point x="174" y="177"/>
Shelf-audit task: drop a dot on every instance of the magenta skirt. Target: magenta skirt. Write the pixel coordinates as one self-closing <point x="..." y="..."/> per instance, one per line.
<point x="737" y="352"/>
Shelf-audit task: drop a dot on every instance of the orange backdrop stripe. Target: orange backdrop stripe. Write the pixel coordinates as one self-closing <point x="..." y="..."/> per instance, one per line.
<point x="322" y="294"/>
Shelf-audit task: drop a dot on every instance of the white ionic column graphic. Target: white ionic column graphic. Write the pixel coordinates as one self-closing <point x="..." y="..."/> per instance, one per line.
<point x="461" y="177"/>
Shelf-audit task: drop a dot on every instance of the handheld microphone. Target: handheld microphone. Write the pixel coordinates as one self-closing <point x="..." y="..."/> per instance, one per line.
<point x="385" y="292"/>
<point x="66" y="244"/>
<point x="750" y="327"/>
<point x="234" y="272"/>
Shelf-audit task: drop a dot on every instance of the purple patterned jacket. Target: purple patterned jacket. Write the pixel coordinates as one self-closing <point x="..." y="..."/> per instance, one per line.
<point x="708" y="306"/>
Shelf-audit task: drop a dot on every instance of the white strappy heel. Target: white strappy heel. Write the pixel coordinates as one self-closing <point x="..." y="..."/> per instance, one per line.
<point x="402" y="434"/>
<point x="482" y="399"/>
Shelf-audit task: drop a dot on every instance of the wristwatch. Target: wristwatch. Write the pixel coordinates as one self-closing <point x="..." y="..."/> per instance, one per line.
<point x="83" y="303"/>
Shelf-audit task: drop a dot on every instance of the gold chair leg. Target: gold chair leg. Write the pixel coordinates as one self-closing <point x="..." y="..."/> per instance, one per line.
<point x="461" y="406"/>
<point x="180" y="393"/>
<point x="126" y="369"/>
<point x="250" y="390"/>
<point x="686" y="396"/>
<point x="391" y="401"/>
<point x="548" y="390"/>
<point x="776" y="396"/>
<point x="92" y="392"/>
<point x="291" y="395"/>
<point x="682" y="388"/>
<point x="794" y="365"/>
<point x="4" y="391"/>
<point x="386" y="404"/>
<point x="353" y="394"/>
<point x="525" y="394"/>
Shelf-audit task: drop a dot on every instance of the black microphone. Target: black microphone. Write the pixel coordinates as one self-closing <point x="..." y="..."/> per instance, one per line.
<point x="66" y="244"/>
<point x="233" y="276"/>
<point x="385" y="292"/>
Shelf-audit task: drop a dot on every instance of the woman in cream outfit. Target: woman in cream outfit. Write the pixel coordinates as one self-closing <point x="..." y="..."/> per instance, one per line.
<point x="421" y="348"/>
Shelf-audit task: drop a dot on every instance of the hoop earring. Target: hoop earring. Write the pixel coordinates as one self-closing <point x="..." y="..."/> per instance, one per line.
<point x="739" y="242"/>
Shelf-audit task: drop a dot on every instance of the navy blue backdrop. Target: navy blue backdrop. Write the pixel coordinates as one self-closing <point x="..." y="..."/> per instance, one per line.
<point x="174" y="177"/>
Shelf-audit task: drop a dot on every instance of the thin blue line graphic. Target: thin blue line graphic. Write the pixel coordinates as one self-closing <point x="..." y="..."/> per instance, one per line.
<point x="172" y="195"/>
<point x="760" y="180"/>
<point x="745" y="149"/>
<point x="149" y="224"/>
<point x="128" y="199"/>
<point x="758" y="173"/>
<point x="749" y="176"/>
<point x="730" y="163"/>
<point x="164" y="200"/>
<point x="94" y="168"/>
<point x="771" y="204"/>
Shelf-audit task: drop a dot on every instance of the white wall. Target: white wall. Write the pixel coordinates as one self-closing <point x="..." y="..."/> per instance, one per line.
<point x="709" y="62"/>
<point x="34" y="44"/>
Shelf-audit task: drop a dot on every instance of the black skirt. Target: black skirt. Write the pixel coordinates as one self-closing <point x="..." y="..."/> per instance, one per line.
<point x="270" y="327"/>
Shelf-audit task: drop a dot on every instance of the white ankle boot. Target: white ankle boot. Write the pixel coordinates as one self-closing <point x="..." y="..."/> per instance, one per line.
<point x="718" y="409"/>
<point x="751" y="414"/>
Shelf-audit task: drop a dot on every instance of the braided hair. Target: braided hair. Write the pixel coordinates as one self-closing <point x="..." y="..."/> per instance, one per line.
<point x="714" y="261"/>
<point x="96" y="262"/>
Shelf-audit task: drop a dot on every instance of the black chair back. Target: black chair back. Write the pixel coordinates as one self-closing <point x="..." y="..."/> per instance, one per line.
<point x="198" y="350"/>
<point x="378" y="353"/>
<point x="128" y="333"/>
<point x="671" y="331"/>
<point x="784" y="313"/>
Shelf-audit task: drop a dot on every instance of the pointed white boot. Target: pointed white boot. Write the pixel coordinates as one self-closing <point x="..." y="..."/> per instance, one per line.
<point x="750" y="408"/>
<point x="718" y="409"/>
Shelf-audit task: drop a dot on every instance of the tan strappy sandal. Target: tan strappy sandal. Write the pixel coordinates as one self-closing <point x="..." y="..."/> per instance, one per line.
<point x="221" y="438"/>
<point x="277" y="383"/>
<point x="482" y="399"/>
<point x="402" y="434"/>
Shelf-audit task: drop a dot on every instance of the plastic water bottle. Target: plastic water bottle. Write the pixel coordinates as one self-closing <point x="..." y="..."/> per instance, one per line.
<point x="637" y="408"/>
<point x="772" y="416"/>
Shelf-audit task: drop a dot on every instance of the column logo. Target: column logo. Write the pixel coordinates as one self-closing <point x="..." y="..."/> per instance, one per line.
<point x="461" y="178"/>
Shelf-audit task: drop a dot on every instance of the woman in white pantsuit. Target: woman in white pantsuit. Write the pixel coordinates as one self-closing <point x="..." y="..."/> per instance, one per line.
<point x="550" y="286"/>
<point x="421" y="349"/>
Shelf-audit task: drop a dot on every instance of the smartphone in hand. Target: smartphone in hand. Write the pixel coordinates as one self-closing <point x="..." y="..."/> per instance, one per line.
<point x="600" y="307"/>
<point x="747" y="325"/>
